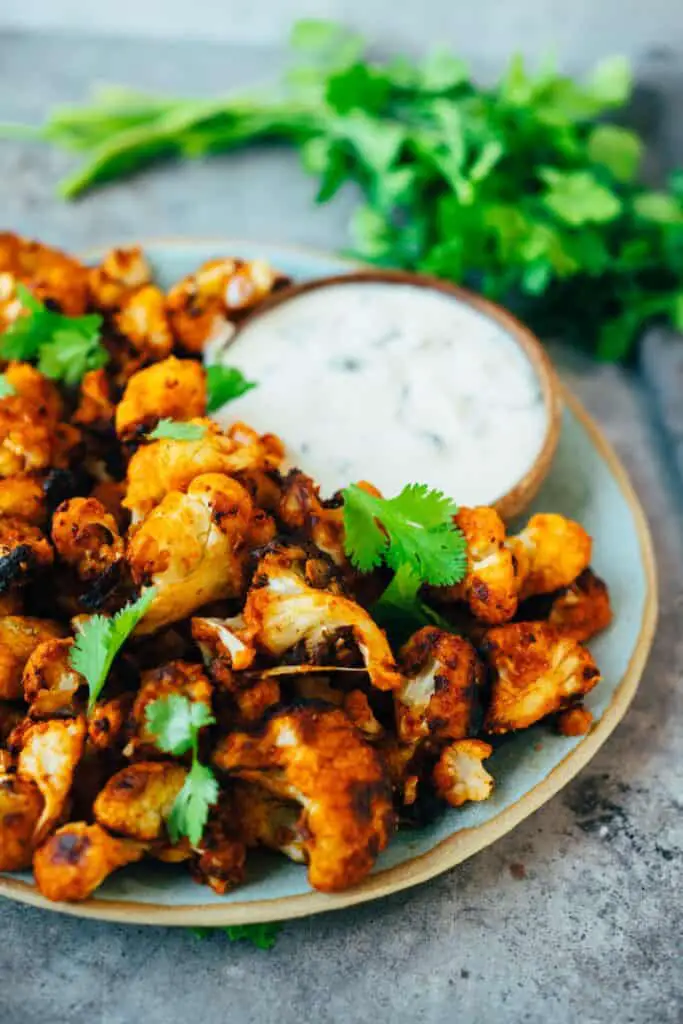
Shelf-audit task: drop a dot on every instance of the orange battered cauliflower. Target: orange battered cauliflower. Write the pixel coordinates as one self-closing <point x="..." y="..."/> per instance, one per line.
<point x="459" y="775"/>
<point x="19" y="637"/>
<point x="21" y="805"/>
<point x="173" y="389"/>
<point x="120" y="274"/>
<point x="583" y="609"/>
<point x="551" y="551"/>
<point x="143" y="322"/>
<point x="137" y="800"/>
<point x="50" y="752"/>
<point x="77" y="859"/>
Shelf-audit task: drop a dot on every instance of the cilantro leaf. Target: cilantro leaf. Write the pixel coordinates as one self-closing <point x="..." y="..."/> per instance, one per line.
<point x="175" y="722"/>
<point x="617" y="149"/>
<point x="223" y="383"/>
<point x="263" y="936"/>
<point x="190" y="810"/>
<point x="400" y="610"/>
<point x="577" y="197"/>
<point x="176" y="430"/>
<point x="100" y="640"/>
<point x="414" y="528"/>
<point x="6" y="389"/>
<point x="66" y="347"/>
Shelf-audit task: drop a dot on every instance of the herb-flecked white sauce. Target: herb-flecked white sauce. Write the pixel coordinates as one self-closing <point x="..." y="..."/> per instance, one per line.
<point x="392" y="383"/>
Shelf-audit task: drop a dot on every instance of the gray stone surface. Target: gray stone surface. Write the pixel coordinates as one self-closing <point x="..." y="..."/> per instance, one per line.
<point x="576" y="916"/>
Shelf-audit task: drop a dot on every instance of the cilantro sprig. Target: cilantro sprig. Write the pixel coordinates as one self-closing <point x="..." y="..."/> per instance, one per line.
<point x="177" y="430"/>
<point x="414" y="529"/>
<point x="65" y="347"/>
<point x="400" y="609"/>
<point x="522" y="190"/>
<point x="263" y="936"/>
<point x="175" y="721"/>
<point x="223" y="384"/>
<point x="101" y="639"/>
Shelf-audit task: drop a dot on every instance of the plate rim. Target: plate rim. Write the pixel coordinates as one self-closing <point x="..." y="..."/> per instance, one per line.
<point x="459" y="846"/>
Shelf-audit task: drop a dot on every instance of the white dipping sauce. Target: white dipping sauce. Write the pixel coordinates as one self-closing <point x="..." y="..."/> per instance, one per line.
<point x="392" y="383"/>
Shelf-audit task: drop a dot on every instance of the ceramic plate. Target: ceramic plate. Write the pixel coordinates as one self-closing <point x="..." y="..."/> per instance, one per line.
<point x="586" y="482"/>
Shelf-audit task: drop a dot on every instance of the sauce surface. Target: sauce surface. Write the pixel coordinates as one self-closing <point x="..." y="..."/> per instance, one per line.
<point x="392" y="383"/>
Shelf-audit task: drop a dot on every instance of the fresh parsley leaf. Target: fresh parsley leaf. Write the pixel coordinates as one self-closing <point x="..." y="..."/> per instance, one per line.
<point x="100" y="640"/>
<point x="176" y="430"/>
<point x="6" y="389"/>
<point x="66" y="347"/>
<point x="190" y="810"/>
<point x="263" y="936"/>
<point x="175" y="721"/>
<point x="415" y="528"/>
<point x="223" y="384"/>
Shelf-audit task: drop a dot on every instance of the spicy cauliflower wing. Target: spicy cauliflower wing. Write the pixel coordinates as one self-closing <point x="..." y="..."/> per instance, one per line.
<point x="302" y="511"/>
<point x="36" y="390"/>
<point x="283" y="610"/>
<point x="536" y="671"/>
<point x="21" y="805"/>
<point x="96" y="405"/>
<point x="48" y="673"/>
<point x="137" y="800"/>
<point x="77" y="859"/>
<point x="167" y="465"/>
<point x="172" y="389"/>
<point x="551" y="551"/>
<point x="192" y="548"/>
<point x="87" y="537"/>
<point x="222" y="854"/>
<point x="267" y="820"/>
<point x="143" y="322"/>
<point x="574" y="721"/>
<point x="19" y="637"/>
<point x="491" y="584"/>
<point x="50" y="752"/>
<point x="439" y="695"/>
<point x="316" y="757"/>
<point x="459" y="775"/>
<point x="24" y="552"/>
<point x="583" y="609"/>
<point x="120" y="274"/>
<point x="23" y="497"/>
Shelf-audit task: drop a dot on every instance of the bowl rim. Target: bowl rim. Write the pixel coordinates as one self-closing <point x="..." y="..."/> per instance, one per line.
<point x="452" y="850"/>
<point x="517" y="497"/>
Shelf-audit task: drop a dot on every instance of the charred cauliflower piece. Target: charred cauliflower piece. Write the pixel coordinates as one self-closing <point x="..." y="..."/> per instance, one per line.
<point x="224" y="643"/>
<point x="24" y="551"/>
<point x="36" y="390"/>
<point x="19" y="637"/>
<point x="143" y="322"/>
<point x="575" y="721"/>
<point x="53" y="277"/>
<point x="27" y="443"/>
<point x="166" y="465"/>
<point x="22" y="497"/>
<point x="583" y="609"/>
<point x="77" y="859"/>
<point x="220" y="862"/>
<point x="108" y="722"/>
<point x="50" y="752"/>
<point x="87" y="537"/>
<point x="95" y="403"/>
<point x="459" y="775"/>
<point x="21" y="806"/>
<point x="301" y="510"/>
<point x="177" y="677"/>
<point x="491" y="584"/>
<point x="267" y="820"/>
<point x="137" y="800"/>
<point x="438" y="698"/>
<point x="551" y="552"/>
<point x="173" y="389"/>
<point x="192" y="548"/>
<point x="317" y="758"/>
<point x="48" y="673"/>
<point x="283" y="610"/>
<point x="536" y="671"/>
<point x="201" y="305"/>
<point x="120" y="274"/>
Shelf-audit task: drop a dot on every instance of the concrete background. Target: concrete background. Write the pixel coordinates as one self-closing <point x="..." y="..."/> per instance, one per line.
<point x="576" y="916"/>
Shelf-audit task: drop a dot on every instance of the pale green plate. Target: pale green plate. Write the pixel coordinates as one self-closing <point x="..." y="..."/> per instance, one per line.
<point x="587" y="483"/>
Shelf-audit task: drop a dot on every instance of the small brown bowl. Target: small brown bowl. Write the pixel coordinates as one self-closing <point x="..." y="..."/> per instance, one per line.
<point x="518" y="497"/>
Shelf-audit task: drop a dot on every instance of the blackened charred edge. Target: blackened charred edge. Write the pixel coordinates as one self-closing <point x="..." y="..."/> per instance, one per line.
<point x="97" y="594"/>
<point x="15" y="565"/>
<point x="69" y="848"/>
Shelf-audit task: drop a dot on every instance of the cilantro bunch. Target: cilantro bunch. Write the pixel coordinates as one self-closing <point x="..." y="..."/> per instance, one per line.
<point x="525" y="191"/>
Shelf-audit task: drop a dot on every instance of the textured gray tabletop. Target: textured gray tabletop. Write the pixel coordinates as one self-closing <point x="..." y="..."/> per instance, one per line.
<point x="575" y="916"/>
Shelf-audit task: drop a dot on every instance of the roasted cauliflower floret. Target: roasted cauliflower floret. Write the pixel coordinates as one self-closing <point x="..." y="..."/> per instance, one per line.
<point x="121" y="273"/>
<point x="192" y="548"/>
<point x="137" y="800"/>
<point x="48" y="670"/>
<point x="283" y="610"/>
<point x="143" y="322"/>
<point x="317" y="686"/>
<point x="177" y="677"/>
<point x="220" y="861"/>
<point x="172" y="389"/>
<point x="95" y="402"/>
<point x="161" y="467"/>
<point x="22" y="497"/>
<point x="536" y="671"/>
<point x="19" y="637"/>
<point x="442" y="677"/>
<point x="267" y="820"/>
<point x="202" y="304"/>
<point x="87" y="537"/>
<point x="53" y="277"/>
<point x="24" y="551"/>
<point x="491" y="584"/>
<point x="317" y="758"/>
<point x="459" y="775"/>
<point x="574" y="721"/>
<point x="583" y="609"/>
<point x="77" y="859"/>
<point x="224" y="644"/>
<point x="35" y="389"/>
<point x="27" y="442"/>
<point x="108" y="722"/>
<point x="21" y="806"/>
<point x="301" y="510"/>
<point x="551" y="551"/>
<point x="50" y="752"/>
